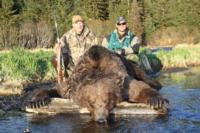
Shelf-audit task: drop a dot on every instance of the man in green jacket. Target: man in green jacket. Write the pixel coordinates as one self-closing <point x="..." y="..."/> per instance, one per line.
<point x="124" y="42"/>
<point x="121" y="40"/>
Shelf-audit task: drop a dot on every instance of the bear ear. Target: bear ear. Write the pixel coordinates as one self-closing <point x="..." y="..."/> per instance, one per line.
<point x="94" y="53"/>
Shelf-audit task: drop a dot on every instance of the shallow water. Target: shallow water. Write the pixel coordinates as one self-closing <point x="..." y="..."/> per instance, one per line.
<point x="181" y="88"/>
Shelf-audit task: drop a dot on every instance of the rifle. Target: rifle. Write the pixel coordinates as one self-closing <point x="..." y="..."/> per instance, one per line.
<point x="59" y="55"/>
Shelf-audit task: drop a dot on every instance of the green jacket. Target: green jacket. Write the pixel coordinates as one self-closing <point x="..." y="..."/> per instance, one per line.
<point x="116" y="44"/>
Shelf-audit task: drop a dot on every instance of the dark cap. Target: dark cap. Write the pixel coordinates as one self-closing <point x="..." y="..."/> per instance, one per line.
<point x="121" y="20"/>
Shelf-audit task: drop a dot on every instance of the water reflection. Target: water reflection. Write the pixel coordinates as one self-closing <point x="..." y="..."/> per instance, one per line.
<point x="83" y="124"/>
<point x="186" y="78"/>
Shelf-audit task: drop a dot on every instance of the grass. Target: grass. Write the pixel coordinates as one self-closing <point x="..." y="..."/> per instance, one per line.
<point x="20" y="64"/>
<point x="180" y="57"/>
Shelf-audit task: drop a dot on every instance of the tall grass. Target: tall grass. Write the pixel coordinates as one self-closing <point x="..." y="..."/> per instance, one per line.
<point x="180" y="57"/>
<point x="21" y="64"/>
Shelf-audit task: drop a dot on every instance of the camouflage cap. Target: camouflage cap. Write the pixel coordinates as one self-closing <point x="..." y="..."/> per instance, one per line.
<point x="77" y="18"/>
<point x="120" y="20"/>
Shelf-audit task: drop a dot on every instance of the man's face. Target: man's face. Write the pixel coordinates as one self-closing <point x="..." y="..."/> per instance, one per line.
<point x="121" y="26"/>
<point x="78" y="27"/>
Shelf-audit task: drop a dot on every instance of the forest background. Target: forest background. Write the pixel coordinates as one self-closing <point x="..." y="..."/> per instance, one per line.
<point x="30" y="23"/>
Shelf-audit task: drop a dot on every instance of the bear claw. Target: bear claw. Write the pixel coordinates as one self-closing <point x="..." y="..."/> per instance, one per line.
<point x="157" y="103"/>
<point x="38" y="104"/>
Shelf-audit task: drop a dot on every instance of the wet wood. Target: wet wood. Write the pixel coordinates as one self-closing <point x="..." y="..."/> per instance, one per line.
<point x="59" y="105"/>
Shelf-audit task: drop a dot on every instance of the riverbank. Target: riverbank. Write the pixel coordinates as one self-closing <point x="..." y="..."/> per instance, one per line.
<point x="19" y="67"/>
<point x="181" y="56"/>
<point x="34" y="65"/>
<point x="14" y="94"/>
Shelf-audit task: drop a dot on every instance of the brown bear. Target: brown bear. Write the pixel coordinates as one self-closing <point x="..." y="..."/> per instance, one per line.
<point x="100" y="80"/>
<point x="133" y="90"/>
<point x="98" y="92"/>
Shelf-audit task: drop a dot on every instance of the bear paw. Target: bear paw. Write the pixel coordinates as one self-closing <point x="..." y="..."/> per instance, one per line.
<point x="158" y="102"/>
<point x="40" y="98"/>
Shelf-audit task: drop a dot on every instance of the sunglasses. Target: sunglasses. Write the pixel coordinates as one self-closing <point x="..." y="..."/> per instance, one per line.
<point x="121" y="23"/>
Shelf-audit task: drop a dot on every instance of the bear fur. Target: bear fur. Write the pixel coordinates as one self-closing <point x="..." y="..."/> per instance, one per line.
<point x="101" y="79"/>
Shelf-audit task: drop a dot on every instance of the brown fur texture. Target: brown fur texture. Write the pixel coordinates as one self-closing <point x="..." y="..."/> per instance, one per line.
<point x="101" y="79"/>
<point x="99" y="94"/>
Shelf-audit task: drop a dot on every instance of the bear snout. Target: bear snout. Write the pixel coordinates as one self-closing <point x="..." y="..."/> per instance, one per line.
<point x="101" y="121"/>
<point x="101" y="115"/>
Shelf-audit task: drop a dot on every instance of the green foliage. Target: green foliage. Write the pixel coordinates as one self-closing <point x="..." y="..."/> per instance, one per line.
<point x="145" y="17"/>
<point x="61" y="10"/>
<point x="180" y="57"/>
<point x="160" y="14"/>
<point x="24" y="65"/>
<point x="96" y="9"/>
<point x="17" y="6"/>
<point x="118" y="8"/>
<point x="32" y="10"/>
<point x="8" y="21"/>
<point x="102" y="6"/>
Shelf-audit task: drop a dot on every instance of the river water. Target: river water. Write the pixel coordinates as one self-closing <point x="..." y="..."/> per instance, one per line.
<point x="181" y="88"/>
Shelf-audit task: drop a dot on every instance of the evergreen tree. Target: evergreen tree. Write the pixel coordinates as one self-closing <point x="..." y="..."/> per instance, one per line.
<point x="8" y="21"/>
<point x="119" y="8"/>
<point x="103" y="12"/>
<point x="17" y="6"/>
<point x="62" y="10"/>
<point x="144" y="16"/>
<point x="136" y="18"/>
<point x="90" y="7"/>
<point x="97" y="9"/>
<point x="0" y="3"/>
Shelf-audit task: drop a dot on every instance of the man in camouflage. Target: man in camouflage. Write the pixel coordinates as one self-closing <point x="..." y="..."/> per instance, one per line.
<point x="76" y="41"/>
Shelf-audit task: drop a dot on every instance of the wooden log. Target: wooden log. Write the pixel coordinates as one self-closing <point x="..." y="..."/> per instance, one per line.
<point x="59" y="105"/>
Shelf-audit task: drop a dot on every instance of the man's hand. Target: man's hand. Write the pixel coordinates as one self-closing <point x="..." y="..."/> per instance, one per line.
<point x="121" y="52"/>
<point x="136" y="48"/>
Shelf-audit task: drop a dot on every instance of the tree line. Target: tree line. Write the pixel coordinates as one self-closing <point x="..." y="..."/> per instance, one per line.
<point x="30" y="23"/>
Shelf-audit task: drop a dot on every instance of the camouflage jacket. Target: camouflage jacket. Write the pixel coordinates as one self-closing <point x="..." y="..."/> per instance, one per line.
<point x="75" y="44"/>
